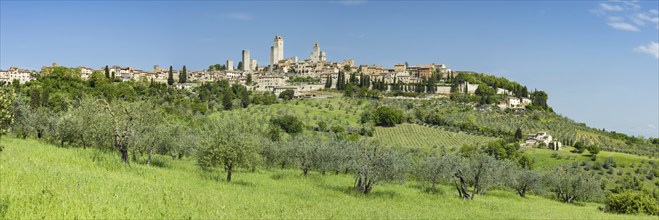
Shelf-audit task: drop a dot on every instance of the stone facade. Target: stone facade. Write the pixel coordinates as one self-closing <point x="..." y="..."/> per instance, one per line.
<point x="230" y="65"/>
<point x="246" y="61"/>
<point x="316" y="55"/>
<point x="15" y="73"/>
<point x="277" y="50"/>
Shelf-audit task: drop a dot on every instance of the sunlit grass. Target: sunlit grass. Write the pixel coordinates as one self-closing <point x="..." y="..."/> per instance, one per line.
<point x="42" y="181"/>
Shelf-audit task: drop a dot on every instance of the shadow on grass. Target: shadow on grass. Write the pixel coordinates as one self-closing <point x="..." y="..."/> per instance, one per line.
<point x="426" y="188"/>
<point x="280" y="176"/>
<point x="353" y="192"/>
<point x="243" y="183"/>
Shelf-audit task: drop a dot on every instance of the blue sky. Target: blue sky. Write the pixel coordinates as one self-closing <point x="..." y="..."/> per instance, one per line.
<point x="598" y="60"/>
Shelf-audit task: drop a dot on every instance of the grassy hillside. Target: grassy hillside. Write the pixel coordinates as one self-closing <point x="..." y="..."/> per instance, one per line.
<point x="333" y="110"/>
<point x="42" y="181"/>
<point x="419" y="136"/>
<point x="613" y="167"/>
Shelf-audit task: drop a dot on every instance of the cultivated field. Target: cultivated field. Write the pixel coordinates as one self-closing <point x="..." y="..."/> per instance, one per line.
<point x="419" y="136"/>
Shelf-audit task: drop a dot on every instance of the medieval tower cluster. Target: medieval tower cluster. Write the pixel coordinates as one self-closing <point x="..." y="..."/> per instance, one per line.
<point x="317" y="55"/>
<point x="277" y="60"/>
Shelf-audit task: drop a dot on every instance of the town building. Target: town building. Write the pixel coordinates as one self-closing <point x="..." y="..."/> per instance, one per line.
<point x="538" y="138"/>
<point x="15" y="73"/>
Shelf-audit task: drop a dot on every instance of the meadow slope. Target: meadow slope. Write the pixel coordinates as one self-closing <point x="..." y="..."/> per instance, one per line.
<point x="39" y="180"/>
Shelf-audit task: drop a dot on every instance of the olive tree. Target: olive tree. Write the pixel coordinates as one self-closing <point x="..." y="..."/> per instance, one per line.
<point x="435" y="169"/>
<point x="6" y="99"/>
<point x="373" y="164"/>
<point x="571" y="185"/>
<point x="40" y="119"/>
<point x="20" y="112"/>
<point x="524" y="181"/>
<point x="150" y="133"/>
<point x="124" y="121"/>
<point x="95" y="127"/>
<point x="230" y="142"/>
<point x="302" y="150"/>
<point x="478" y="171"/>
<point x="331" y="154"/>
<point x="66" y="128"/>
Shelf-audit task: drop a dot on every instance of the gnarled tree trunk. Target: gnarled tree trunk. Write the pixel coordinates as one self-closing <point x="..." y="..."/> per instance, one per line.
<point x="229" y="171"/>
<point x="461" y="185"/>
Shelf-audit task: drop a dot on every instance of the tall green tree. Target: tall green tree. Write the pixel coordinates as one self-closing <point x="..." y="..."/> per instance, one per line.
<point x="518" y="134"/>
<point x="328" y="82"/>
<point x="244" y="98"/>
<point x="107" y="72"/>
<point x="227" y="99"/>
<point x="170" y="77"/>
<point x="183" y="75"/>
<point x="249" y="79"/>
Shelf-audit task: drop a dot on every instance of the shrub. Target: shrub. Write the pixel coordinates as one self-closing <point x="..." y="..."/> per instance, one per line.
<point x="579" y="147"/>
<point x="388" y="117"/>
<point x="631" y="203"/>
<point x="289" y="123"/>
<point x="287" y="94"/>
<point x="593" y="149"/>
<point x="337" y="129"/>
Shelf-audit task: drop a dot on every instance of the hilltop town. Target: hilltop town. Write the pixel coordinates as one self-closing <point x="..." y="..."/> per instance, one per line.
<point x="303" y="76"/>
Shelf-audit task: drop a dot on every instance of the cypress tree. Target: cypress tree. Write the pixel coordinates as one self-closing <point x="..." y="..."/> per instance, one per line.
<point x="328" y="81"/>
<point x="227" y="99"/>
<point x="170" y="77"/>
<point x="244" y="99"/>
<point x="183" y="76"/>
<point x="107" y="72"/>
<point x="361" y="80"/>
<point x="518" y="134"/>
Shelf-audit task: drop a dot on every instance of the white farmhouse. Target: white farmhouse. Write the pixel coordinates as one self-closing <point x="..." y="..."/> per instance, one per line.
<point x="15" y="73"/>
<point x="538" y="138"/>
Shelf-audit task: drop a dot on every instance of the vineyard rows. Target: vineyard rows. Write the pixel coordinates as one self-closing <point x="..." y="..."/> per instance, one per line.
<point x="419" y="136"/>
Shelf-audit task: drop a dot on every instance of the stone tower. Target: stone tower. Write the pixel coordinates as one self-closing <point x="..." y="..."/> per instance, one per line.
<point x="230" y="65"/>
<point x="246" y="61"/>
<point x="315" y="53"/>
<point x="253" y="64"/>
<point x="277" y="50"/>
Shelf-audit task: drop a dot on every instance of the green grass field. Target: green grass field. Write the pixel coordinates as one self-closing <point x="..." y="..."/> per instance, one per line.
<point x="42" y="181"/>
<point x="627" y="165"/>
<point x="332" y="110"/>
<point x="419" y="136"/>
<point x="543" y="158"/>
